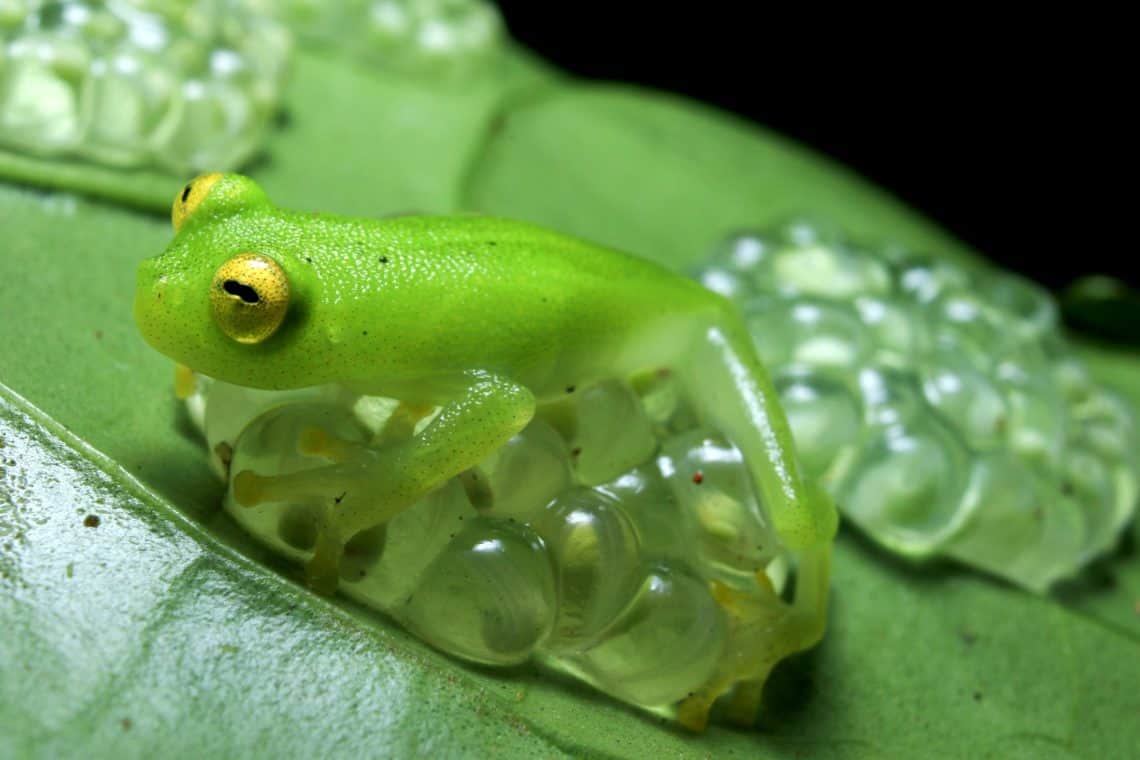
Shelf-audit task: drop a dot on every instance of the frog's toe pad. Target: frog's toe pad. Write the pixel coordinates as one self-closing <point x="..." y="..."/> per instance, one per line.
<point x="693" y="711"/>
<point x="744" y="706"/>
<point x="248" y="488"/>
<point x="323" y="570"/>
<point x="317" y="442"/>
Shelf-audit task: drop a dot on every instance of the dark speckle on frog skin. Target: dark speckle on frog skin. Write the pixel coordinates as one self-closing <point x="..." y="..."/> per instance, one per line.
<point x="91" y="521"/>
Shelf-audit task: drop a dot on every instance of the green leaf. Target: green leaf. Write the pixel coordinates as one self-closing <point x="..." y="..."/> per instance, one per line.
<point x="665" y="178"/>
<point x="155" y="632"/>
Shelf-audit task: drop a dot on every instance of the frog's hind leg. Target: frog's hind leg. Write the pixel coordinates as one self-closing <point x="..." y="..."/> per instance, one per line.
<point x="400" y="426"/>
<point x="318" y="442"/>
<point x="732" y="393"/>
<point x="312" y="486"/>
<point x="763" y="630"/>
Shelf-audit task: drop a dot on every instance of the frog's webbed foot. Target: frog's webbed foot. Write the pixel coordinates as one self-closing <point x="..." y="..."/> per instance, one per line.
<point x="400" y="426"/>
<point x="251" y="489"/>
<point x="763" y="630"/>
<point x="329" y="487"/>
<point x="322" y="572"/>
<point x="185" y="382"/>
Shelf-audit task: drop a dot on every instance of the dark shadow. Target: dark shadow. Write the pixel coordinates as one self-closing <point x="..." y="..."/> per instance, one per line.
<point x="927" y="572"/>
<point x="790" y="691"/>
<point x="184" y="426"/>
<point x="1099" y="576"/>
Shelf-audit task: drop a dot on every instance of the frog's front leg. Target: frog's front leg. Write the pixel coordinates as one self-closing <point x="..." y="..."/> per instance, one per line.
<point x="370" y="485"/>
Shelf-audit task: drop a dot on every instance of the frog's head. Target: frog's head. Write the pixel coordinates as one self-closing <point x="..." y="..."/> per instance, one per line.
<point x="214" y="300"/>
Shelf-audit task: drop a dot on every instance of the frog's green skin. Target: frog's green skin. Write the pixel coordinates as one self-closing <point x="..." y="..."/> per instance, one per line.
<point x="483" y="317"/>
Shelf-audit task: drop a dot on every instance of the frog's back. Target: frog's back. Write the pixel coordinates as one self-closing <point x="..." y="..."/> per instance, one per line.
<point x="549" y="263"/>
<point x="499" y="293"/>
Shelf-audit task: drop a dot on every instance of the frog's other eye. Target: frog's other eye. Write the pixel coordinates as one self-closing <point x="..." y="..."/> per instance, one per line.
<point x="190" y="197"/>
<point x="249" y="297"/>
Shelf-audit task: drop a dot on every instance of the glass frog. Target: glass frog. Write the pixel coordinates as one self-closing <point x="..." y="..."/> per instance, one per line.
<point x="515" y="442"/>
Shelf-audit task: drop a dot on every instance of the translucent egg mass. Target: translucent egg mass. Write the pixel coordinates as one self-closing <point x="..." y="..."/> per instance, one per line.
<point x="194" y="85"/>
<point x="430" y="39"/>
<point x="939" y="405"/>
<point x="184" y="86"/>
<point x="614" y="538"/>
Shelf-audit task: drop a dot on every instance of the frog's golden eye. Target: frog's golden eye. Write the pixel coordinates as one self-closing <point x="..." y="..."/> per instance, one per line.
<point x="249" y="297"/>
<point x="188" y="199"/>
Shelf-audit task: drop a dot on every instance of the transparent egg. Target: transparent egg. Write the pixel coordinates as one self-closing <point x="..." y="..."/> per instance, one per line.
<point x="1018" y="529"/>
<point x="613" y="433"/>
<point x="39" y="93"/>
<point x="664" y="401"/>
<point x="488" y="596"/>
<point x="1072" y="379"/>
<point x="807" y="332"/>
<point x="523" y="476"/>
<point x="907" y="485"/>
<point x="1087" y="480"/>
<point x="961" y="322"/>
<point x="825" y="416"/>
<point x="829" y="271"/>
<point x="966" y="398"/>
<point x="729" y="284"/>
<point x="809" y="232"/>
<point x="663" y="527"/>
<point x="896" y="330"/>
<point x="740" y="266"/>
<point x="595" y="552"/>
<point x="216" y="126"/>
<point x="231" y="408"/>
<point x="13" y="14"/>
<point x="1107" y="425"/>
<point x="923" y="280"/>
<point x="89" y="21"/>
<point x="665" y="644"/>
<point x="889" y="396"/>
<point x="1033" y="312"/>
<point x="709" y="481"/>
<point x="128" y="100"/>
<point x="1037" y="422"/>
<point x="411" y="541"/>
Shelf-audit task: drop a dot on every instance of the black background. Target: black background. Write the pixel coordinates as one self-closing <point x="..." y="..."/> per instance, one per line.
<point x="1009" y="132"/>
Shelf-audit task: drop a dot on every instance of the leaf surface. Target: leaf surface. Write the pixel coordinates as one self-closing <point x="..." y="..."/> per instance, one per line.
<point x="156" y="633"/>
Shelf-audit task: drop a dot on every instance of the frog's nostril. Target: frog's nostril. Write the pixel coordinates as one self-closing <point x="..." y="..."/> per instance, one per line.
<point x="242" y="291"/>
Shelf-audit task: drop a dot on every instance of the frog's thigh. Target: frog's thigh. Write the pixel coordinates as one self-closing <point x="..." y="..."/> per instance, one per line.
<point x="733" y="393"/>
